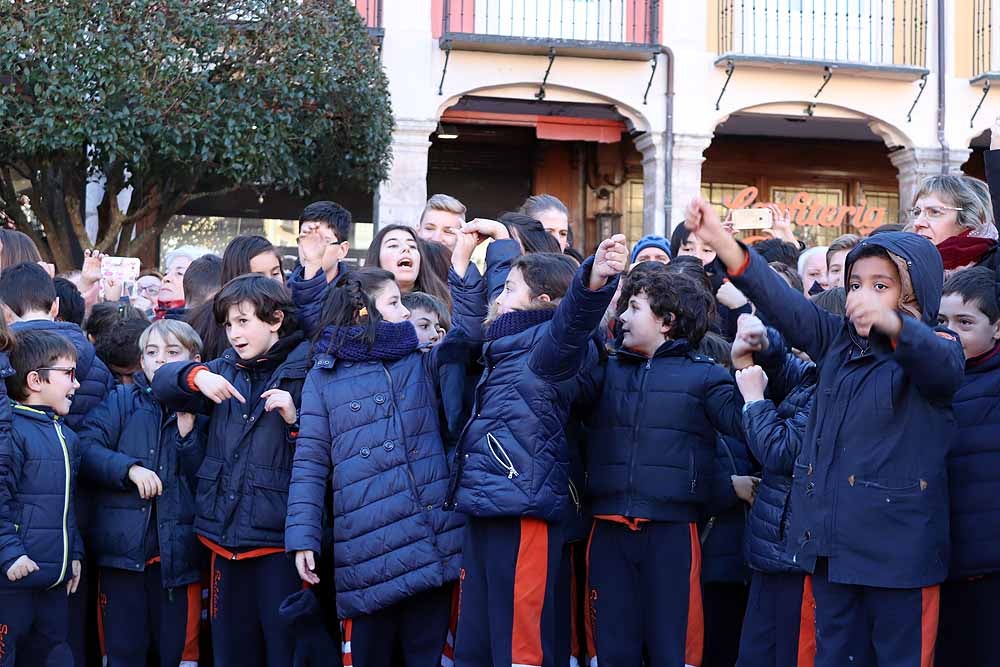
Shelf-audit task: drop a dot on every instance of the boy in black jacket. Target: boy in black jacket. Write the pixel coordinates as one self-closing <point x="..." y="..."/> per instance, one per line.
<point x="142" y="536"/>
<point x="251" y="395"/>
<point x="869" y="503"/>
<point x="40" y="546"/>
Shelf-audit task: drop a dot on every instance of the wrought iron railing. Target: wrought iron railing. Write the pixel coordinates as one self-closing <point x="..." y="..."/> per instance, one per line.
<point x="371" y="12"/>
<point x="589" y="21"/>
<point x="982" y="38"/>
<point x="864" y="32"/>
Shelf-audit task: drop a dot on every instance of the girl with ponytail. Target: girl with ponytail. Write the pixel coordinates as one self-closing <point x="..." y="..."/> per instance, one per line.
<point x="370" y="426"/>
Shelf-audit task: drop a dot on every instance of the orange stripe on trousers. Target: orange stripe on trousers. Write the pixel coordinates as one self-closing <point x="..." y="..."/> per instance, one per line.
<point x="191" y="651"/>
<point x="530" y="575"/>
<point x="695" y="644"/>
<point x="574" y="609"/>
<point x="100" y="618"/>
<point x="588" y="604"/>
<point x="346" y="630"/>
<point x="807" y="625"/>
<point x="930" y="608"/>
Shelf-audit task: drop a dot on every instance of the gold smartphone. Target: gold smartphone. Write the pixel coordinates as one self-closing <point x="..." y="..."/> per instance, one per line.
<point x="752" y="218"/>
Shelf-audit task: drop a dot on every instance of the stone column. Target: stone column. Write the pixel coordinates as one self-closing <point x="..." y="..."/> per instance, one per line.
<point x="685" y="166"/>
<point x="916" y="164"/>
<point x="401" y="197"/>
<point x="654" y="166"/>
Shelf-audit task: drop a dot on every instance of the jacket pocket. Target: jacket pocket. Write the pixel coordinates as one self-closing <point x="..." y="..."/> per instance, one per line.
<point x="501" y="459"/>
<point x="23" y="523"/>
<point x="270" y="498"/>
<point x="207" y="494"/>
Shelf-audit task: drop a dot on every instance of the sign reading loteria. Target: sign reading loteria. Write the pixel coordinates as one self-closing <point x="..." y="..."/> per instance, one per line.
<point x="804" y="210"/>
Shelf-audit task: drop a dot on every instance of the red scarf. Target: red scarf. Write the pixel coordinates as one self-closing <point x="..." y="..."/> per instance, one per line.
<point x="963" y="249"/>
<point x="163" y="306"/>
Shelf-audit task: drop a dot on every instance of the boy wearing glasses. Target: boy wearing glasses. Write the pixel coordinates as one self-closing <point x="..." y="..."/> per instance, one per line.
<point x="40" y="546"/>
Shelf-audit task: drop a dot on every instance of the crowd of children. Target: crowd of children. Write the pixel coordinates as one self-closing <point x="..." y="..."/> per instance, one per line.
<point x="687" y="453"/>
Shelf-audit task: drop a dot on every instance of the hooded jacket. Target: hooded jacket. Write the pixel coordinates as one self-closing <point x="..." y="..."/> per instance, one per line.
<point x="870" y="488"/>
<point x="38" y="468"/>
<point x="131" y="428"/>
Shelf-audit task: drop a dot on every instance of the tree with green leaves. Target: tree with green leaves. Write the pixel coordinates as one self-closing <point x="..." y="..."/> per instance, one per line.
<point x="180" y="99"/>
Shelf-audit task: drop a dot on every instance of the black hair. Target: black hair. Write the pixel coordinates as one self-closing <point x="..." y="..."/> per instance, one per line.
<point x="976" y="286"/>
<point x="213" y="337"/>
<point x="548" y="273"/>
<point x="678" y="238"/>
<point x="202" y="280"/>
<point x="351" y="302"/>
<point x="574" y="253"/>
<point x="677" y="298"/>
<point x="35" y="349"/>
<point x="887" y="227"/>
<point x="239" y="252"/>
<point x="266" y="296"/>
<point x="330" y="214"/>
<point x="71" y="304"/>
<point x="833" y="300"/>
<point x="106" y="314"/>
<point x="530" y="233"/>
<point x="427" y="278"/>
<point x="421" y="301"/>
<point x="718" y="348"/>
<point x="118" y="347"/>
<point x="687" y="265"/>
<point x="790" y="275"/>
<point x="27" y="287"/>
<point x="776" y="250"/>
<point x="865" y="251"/>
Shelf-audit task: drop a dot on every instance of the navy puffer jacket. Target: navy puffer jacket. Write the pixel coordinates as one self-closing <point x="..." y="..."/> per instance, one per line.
<point x="38" y="468"/>
<point x="513" y="456"/>
<point x="651" y="445"/>
<point x="724" y="517"/>
<point x="131" y="428"/>
<point x="371" y="428"/>
<point x="973" y="466"/>
<point x="870" y="487"/>
<point x="775" y="429"/>
<point x="242" y="490"/>
<point x="94" y="377"/>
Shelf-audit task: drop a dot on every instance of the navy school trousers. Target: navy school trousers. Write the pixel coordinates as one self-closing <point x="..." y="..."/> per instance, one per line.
<point x="969" y="631"/>
<point x="779" y="629"/>
<point x="644" y="594"/>
<point x="895" y="627"/>
<point x="136" y="616"/>
<point x="509" y="585"/>
<point x="39" y="618"/>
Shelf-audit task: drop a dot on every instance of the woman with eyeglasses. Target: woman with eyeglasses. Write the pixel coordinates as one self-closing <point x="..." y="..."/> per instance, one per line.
<point x="956" y="214"/>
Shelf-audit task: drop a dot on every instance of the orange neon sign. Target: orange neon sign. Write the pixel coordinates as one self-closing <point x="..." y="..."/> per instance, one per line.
<point x="804" y="210"/>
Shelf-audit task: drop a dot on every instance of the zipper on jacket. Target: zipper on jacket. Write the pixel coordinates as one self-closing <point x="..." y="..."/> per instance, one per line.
<point x="500" y="456"/>
<point x="635" y="435"/>
<point x="66" y="496"/>
<point x="575" y="495"/>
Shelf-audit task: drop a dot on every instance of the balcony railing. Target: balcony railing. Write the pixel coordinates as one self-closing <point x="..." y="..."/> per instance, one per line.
<point x="371" y="13"/>
<point x="984" y="51"/>
<point x="864" y="34"/>
<point x="597" y="28"/>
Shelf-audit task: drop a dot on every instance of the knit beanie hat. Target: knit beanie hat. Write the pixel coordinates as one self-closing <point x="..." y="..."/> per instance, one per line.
<point x="650" y="241"/>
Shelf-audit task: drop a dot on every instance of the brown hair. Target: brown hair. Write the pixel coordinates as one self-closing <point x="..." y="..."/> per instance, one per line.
<point x="18" y="248"/>
<point x="840" y="244"/>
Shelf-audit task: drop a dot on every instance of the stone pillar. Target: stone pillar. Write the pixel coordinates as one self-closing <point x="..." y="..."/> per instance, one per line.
<point x="685" y="167"/>
<point x="916" y="164"/>
<point x="401" y="197"/>
<point x="654" y="166"/>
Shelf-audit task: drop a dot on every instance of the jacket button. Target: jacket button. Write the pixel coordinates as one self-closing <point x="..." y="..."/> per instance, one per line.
<point x="355" y="406"/>
<point x="430" y="508"/>
<point x="232" y="496"/>
<point x="389" y="445"/>
<point x="236" y="456"/>
<point x="365" y="452"/>
<point x="380" y="399"/>
<point x="244" y="416"/>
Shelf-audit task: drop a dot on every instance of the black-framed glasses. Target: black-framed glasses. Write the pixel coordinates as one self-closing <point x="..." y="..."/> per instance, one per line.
<point x="69" y="370"/>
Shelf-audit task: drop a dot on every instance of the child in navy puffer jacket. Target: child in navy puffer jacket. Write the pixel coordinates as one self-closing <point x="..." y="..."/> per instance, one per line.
<point x="512" y="475"/>
<point x="869" y="494"/>
<point x="370" y="427"/>
<point x="649" y="470"/>
<point x="968" y="630"/>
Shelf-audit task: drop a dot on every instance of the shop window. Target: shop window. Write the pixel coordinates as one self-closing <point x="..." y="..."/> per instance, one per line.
<point x="717" y="193"/>
<point x="887" y="200"/>
<point x="812" y="235"/>
<point x="214" y="233"/>
<point x="633" y="211"/>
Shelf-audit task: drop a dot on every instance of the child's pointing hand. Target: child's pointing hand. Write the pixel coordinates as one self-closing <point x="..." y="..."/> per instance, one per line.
<point x="216" y="387"/>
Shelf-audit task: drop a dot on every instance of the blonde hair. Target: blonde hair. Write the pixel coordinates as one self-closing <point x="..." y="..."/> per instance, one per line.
<point x="967" y="193"/>
<point x="181" y="331"/>
<point x="445" y="203"/>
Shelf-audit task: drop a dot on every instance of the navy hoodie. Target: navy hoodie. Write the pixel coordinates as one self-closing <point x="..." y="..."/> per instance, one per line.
<point x="870" y="487"/>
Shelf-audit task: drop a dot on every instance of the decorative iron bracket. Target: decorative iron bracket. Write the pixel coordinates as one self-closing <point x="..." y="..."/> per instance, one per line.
<point x="540" y="95"/>
<point x="730" y="68"/>
<point x="923" y="84"/>
<point x="651" y="75"/>
<point x="827" y="75"/>
<point x="447" y="57"/>
<point x="986" y="91"/>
